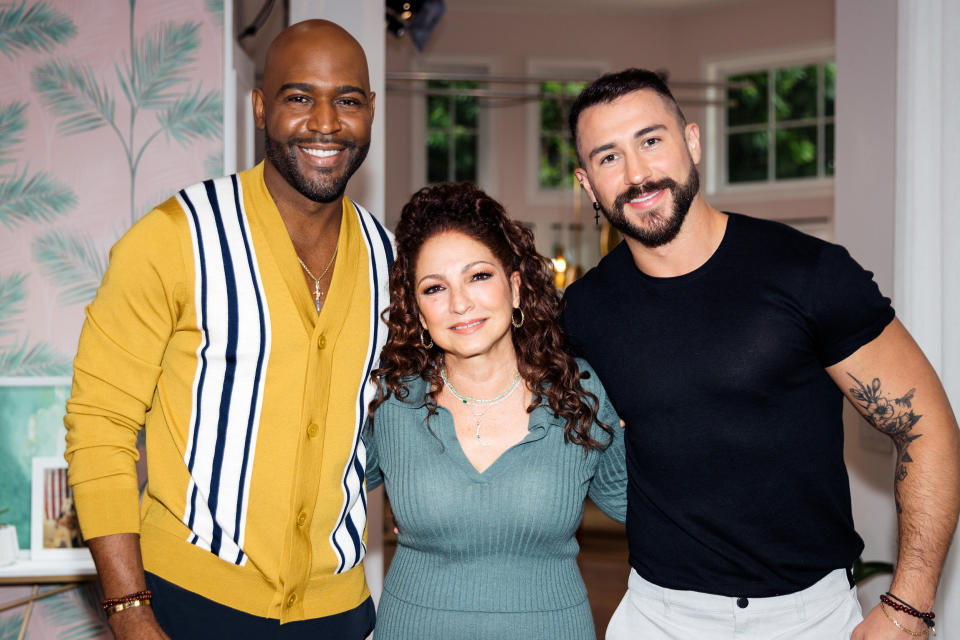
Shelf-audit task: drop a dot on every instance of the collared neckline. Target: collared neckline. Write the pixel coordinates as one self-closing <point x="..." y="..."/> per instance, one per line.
<point x="285" y="255"/>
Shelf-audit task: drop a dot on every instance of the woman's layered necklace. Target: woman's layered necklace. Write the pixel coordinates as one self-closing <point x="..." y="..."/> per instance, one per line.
<point x="479" y="405"/>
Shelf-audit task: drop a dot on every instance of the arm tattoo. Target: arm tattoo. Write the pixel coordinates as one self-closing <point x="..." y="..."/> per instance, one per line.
<point x="894" y="417"/>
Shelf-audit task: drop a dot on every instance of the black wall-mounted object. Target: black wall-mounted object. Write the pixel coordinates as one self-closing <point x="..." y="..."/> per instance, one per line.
<point x="416" y="17"/>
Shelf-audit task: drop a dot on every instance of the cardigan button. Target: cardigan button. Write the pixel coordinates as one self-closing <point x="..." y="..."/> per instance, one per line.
<point x="313" y="430"/>
<point x="322" y="341"/>
<point x="302" y="519"/>
<point x="292" y="600"/>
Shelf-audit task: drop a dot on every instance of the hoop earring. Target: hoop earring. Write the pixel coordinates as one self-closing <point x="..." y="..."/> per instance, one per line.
<point x="424" y="342"/>
<point x="513" y="318"/>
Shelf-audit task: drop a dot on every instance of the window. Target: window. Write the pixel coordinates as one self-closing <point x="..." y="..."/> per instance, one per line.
<point x="780" y="125"/>
<point x="557" y="156"/>
<point x="452" y="124"/>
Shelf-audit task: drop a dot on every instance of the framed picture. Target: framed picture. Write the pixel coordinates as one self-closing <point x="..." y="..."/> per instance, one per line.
<point x="31" y="425"/>
<point x="54" y="527"/>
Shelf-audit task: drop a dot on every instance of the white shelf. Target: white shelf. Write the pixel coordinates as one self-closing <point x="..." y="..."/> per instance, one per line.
<point x="28" y="570"/>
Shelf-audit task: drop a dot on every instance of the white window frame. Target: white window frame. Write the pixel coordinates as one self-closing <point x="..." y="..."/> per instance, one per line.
<point x="716" y="70"/>
<point x="487" y="176"/>
<point x="550" y="67"/>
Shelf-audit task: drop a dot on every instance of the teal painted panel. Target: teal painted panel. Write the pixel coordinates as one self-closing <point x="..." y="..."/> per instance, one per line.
<point x="31" y="424"/>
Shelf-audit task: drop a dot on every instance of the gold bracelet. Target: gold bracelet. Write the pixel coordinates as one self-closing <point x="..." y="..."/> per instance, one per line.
<point x="117" y="608"/>
<point x="915" y="634"/>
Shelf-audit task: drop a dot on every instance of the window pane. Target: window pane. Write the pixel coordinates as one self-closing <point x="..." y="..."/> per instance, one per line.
<point x="747" y="157"/>
<point x="557" y="155"/>
<point x="465" y="157"/>
<point x="568" y="162"/>
<point x="551" y="161"/>
<point x="438" y="112"/>
<point x="796" y="93"/>
<point x="751" y="102"/>
<point x="551" y="87"/>
<point x="438" y="154"/>
<point x="551" y="115"/>
<point x="828" y="156"/>
<point x="829" y="87"/>
<point x="796" y="152"/>
<point x="572" y="161"/>
<point x="573" y="89"/>
<point x="465" y="107"/>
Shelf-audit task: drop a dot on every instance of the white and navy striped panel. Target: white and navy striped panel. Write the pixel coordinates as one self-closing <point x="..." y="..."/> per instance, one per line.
<point x="347" y="536"/>
<point x="234" y="322"/>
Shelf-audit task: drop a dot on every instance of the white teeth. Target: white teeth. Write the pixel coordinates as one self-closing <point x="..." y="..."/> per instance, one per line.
<point x="467" y="326"/>
<point x="320" y="153"/>
<point x="645" y="198"/>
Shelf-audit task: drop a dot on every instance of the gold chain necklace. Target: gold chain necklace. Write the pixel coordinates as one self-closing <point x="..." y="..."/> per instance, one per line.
<point x="317" y="294"/>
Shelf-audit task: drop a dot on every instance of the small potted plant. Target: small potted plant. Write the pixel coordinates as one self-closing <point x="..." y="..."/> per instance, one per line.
<point x="9" y="547"/>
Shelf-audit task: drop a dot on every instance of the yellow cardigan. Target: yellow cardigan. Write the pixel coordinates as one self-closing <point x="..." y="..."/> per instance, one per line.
<point x="252" y="403"/>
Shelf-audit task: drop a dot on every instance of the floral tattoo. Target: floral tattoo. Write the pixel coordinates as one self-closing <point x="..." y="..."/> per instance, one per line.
<point x="893" y="417"/>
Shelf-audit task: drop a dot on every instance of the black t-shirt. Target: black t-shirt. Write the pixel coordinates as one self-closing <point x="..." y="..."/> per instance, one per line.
<point x="737" y="484"/>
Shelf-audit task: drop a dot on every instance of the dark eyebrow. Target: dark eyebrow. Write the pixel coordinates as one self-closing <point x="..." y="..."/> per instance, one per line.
<point x="464" y="270"/>
<point x="638" y="134"/>
<point x="306" y="87"/>
<point x="349" y="88"/>
<point x="296" y="86"/>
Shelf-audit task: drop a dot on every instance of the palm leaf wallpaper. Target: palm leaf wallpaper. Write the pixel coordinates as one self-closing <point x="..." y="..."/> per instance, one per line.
<point x="13" y="294"/>
<point x="74" y="260"/>
<point x="100" y="99"/>
<point x="12" y="123"/>
<point x="35" y="26"/>
<point x="70" y="89"/>
<point x="37" y="197"/>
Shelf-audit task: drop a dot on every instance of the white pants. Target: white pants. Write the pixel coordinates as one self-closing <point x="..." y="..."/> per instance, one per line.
<point x="828" y="610"/>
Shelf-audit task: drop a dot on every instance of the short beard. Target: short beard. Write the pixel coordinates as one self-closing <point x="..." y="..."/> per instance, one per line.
<point x="326" y="187"/>
<point x="663" y="229"/>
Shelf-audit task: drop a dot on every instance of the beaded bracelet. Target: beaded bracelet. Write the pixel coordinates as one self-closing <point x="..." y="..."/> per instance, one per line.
<point x="146" y="594"/>
<point x="927" y="616"/>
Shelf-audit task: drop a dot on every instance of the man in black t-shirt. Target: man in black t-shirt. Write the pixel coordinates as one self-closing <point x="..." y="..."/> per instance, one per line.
<point x="727" y="344"/>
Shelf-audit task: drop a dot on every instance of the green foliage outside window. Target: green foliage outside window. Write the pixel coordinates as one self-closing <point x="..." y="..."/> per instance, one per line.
<point x="558" y="155"/>
<point x="781" y="126"/>
<point x="451" y="133"/>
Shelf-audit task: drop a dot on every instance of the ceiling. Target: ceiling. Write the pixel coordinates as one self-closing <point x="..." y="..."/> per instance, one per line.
<point x="581" y="5"/>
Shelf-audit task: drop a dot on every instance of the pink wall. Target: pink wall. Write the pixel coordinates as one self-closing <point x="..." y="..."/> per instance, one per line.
<point x="680" y="41"/>
<point x="38" y="327"/>
<point x="92" y="165"/>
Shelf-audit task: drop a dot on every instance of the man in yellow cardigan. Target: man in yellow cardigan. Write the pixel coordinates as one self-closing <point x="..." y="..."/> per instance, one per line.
<point x="238" y="323"/>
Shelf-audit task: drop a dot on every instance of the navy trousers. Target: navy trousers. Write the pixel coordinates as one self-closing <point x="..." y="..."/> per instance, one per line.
<point x="184" y="615"/>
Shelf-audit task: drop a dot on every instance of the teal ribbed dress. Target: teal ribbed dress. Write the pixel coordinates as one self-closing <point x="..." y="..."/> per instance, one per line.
<point x="492" y="555"/>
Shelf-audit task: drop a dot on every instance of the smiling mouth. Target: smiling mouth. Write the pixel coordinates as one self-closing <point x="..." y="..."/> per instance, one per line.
<point x="467" y="326"/>
<point x="321" y="153"/>
<point x="647" y="198"/>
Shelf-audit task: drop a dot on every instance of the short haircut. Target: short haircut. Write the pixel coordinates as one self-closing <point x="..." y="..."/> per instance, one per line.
<point x="611" y="86"/>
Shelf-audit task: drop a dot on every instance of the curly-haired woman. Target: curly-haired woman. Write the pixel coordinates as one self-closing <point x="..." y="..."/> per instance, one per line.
<point x="486" y="433"/>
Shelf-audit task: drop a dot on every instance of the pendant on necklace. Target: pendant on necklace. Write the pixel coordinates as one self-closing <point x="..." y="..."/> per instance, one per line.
<point x="317" y="295"/>
<point x="477" y="418"/>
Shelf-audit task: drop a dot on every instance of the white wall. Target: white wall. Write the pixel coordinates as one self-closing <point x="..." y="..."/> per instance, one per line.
<point x="898" y="92"/>
<point x="864" y="223"/>
<point x="927" y="230"/>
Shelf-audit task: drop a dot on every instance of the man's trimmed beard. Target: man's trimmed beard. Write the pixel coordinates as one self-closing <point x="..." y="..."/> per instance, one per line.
<point x="662" y="229"/>
<point x="326" y="187"/>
